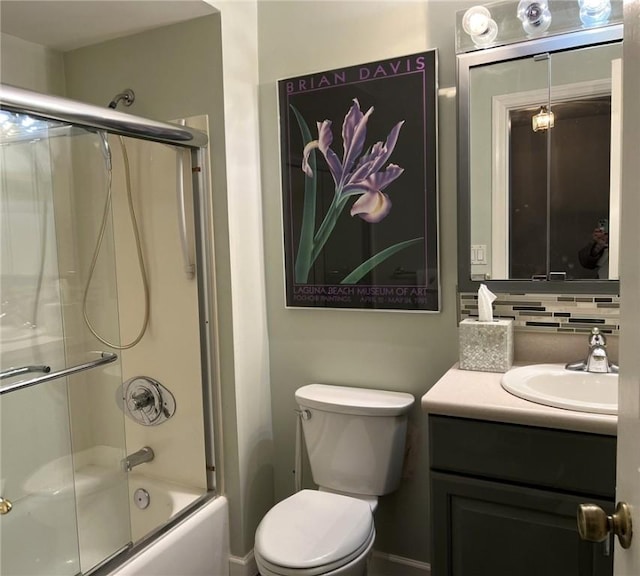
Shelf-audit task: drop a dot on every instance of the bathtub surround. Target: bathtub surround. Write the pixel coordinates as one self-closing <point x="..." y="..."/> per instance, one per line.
<point x="177" y="72"/>
<point x="93" y="408"/>
<point x="98" y="483"/>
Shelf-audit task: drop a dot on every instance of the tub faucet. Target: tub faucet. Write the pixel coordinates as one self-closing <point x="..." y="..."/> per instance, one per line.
<point x="140" y="457"/>
<point x="597" y="360"/>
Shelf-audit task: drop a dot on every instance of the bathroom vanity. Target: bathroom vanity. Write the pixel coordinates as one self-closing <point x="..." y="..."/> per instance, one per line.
<point x="507" y="476"/>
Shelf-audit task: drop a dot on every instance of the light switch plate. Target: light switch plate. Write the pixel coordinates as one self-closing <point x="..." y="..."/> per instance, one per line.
<point x="478" y="254"/>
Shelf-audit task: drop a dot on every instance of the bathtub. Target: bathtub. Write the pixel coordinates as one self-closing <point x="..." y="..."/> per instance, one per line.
<point x="198" y="545"/>
<point x="30" y="545"/>
<point x="92" y="512"/>
<point x="165" y="501"/>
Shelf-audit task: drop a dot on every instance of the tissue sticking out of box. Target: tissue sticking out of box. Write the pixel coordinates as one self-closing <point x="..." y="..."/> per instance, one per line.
<point x="485" y="304"/>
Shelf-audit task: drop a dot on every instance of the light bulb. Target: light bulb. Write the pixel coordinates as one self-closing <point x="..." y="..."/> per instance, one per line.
<point x="476" y="20"/>
<point x="482" y="29"/>
<point x="535" y="16"/>
<point x="594" y="12"/>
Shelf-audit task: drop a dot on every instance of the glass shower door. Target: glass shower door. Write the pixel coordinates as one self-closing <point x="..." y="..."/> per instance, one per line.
<point x="61" y="441"/>
<point x="95" y="396"/>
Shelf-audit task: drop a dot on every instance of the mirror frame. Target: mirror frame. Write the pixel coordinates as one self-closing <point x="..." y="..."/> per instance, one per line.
<point x="466" y="61"/>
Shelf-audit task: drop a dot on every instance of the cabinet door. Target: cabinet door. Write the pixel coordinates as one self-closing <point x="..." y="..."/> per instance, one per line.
<point x="483" y="528"/>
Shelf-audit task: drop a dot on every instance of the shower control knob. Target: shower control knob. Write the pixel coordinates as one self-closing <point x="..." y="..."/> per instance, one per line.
<point x="147" y="401"/>
<point x="141" y="399"/>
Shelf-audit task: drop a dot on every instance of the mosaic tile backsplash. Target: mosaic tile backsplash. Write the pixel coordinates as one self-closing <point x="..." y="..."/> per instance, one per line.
<point x="550" y="312"/>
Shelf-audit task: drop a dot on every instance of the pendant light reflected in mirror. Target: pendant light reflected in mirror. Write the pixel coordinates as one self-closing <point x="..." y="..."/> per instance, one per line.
<point x="543" y="120"/>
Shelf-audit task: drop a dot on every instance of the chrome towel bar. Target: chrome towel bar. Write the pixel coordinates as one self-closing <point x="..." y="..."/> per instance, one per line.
<point x="24" y="370"/>
<point x="105" y="358"/>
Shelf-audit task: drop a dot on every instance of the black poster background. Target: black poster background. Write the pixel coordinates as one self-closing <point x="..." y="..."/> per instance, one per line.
<point x="403" y="88"/>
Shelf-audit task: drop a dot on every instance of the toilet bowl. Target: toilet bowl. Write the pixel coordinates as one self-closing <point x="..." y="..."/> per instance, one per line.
<point x="315" y="533"/>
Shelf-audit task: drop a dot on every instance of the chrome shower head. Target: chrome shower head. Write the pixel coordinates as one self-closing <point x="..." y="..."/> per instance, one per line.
<point x="126" y="97"/>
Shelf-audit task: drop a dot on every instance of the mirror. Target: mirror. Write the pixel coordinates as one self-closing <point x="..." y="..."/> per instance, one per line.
<point x="538" y="164"/>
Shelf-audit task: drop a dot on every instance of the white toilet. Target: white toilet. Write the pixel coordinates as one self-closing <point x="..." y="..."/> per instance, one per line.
<point x="355" y="441"/>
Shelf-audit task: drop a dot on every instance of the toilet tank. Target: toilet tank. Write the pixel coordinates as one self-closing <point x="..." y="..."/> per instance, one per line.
<point x="355" y="437"/>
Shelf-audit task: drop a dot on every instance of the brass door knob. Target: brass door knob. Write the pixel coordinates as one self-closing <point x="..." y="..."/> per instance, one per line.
<point x="594" y="525"/>
<point x="5" y="506"/>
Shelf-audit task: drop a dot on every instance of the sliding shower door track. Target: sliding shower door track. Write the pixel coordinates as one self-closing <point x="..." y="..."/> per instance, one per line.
<point x="105" y="358"/>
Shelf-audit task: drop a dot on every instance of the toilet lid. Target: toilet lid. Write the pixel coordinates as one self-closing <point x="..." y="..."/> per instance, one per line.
<point x="312" y="529"/>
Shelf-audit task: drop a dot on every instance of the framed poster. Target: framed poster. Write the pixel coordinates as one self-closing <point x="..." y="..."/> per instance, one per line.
<point x="359" y="185"/>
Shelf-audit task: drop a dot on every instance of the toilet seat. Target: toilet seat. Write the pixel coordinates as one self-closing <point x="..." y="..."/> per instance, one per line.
<point x="268" y="569"/>
<point x="312" y="533"/>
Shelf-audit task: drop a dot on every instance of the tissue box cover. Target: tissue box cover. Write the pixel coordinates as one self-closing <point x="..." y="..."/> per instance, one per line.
<point x="486" y="346"/>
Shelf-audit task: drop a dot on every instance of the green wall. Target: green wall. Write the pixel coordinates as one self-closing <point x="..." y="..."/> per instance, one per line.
<point x="386" y="350"/>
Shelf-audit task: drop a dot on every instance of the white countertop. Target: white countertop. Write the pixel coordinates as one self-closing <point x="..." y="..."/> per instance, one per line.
<point x="479" y="395"/>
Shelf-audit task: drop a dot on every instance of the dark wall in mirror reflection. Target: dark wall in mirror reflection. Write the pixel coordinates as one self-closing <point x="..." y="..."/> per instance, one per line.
<point x="578" y="146"/>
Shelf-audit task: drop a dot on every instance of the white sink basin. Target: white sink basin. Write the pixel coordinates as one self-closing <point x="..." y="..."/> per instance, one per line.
<point x="554" y="385"/>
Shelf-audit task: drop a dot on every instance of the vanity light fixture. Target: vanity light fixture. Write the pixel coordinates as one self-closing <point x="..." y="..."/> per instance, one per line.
<point x="543" y="120"/>
<point x="479" y="25"/>
<point x="535" y="16"/>
<point x="594" y="12"/>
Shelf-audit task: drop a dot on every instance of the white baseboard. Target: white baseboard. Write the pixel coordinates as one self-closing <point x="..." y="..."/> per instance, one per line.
<point x="245" y="566"/>
<point x="382" y="564"/>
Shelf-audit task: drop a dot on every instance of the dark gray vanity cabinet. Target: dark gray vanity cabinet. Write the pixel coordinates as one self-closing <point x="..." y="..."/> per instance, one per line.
<point x="504" y="498"/>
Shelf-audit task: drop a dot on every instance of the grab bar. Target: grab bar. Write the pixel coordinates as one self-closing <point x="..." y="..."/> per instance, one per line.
<point x="105" y="358"/>
<point x="24" y="370"/>
<point x="189" y="267"/>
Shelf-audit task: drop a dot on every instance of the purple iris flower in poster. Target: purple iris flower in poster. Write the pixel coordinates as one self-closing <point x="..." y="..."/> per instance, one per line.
<point x="360" y="174"/>
<point x="365" y="178"/>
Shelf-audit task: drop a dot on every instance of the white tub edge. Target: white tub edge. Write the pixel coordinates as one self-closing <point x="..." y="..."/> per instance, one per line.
<point x="196" y="546"/>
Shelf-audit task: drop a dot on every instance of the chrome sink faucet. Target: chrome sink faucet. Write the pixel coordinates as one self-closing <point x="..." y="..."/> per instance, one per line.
<point x="597" y="360"/>
<point x="140" y="457"/>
